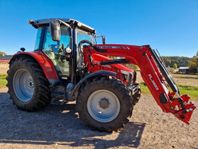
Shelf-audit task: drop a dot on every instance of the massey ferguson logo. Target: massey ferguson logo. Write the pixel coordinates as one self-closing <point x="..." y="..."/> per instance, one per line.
<point x="113" y="47"/>
<point x="153" y="82"/>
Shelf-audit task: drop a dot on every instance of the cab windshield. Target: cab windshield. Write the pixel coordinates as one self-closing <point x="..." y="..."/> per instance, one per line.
<point x="82" y="35"/>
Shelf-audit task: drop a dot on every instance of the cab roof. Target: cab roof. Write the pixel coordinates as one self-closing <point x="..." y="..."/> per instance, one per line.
<point x="71" y="22"/>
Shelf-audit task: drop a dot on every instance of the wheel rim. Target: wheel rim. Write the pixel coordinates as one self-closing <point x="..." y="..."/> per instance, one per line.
<point x="23" y="85"/>
<point x="103" y="106"/>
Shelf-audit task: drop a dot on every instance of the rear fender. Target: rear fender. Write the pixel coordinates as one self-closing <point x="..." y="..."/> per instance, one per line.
<point x="45" y="63"/>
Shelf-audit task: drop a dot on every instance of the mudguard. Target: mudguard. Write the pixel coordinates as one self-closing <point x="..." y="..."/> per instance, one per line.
<point x="45" y="63"/>
<point x="92" y="75"/>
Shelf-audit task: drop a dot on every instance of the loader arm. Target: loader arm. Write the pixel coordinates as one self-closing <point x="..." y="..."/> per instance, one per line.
<point x="153" y="72"/>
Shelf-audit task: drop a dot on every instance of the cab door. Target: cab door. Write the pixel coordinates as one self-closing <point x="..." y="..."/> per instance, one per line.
<point x="56" y="50"/>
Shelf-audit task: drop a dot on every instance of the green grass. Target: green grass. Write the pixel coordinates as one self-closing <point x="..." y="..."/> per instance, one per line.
<point x="144" y="88"/>
<point x="192" y="91"/>
<point x="2" y="81"/>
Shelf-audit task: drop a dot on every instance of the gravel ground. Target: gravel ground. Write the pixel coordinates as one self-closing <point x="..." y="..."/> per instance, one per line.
<point x="58" y="126"/>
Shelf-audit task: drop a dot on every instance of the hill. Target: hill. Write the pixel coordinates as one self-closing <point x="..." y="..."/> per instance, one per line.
<point x="180" y="61"/>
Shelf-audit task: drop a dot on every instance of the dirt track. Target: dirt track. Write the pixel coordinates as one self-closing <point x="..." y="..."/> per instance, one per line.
<point x="59" y="127"/>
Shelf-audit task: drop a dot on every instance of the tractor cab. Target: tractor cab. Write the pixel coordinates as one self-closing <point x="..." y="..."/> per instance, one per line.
<point x="59" y="39"/>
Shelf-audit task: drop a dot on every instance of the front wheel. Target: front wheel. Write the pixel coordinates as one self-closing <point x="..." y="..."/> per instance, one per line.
<point x="105" y="104"/>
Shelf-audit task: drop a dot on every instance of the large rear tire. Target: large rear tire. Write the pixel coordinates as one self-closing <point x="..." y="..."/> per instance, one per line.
<point x="104" y="104"/>
<point x="27" y="85"/>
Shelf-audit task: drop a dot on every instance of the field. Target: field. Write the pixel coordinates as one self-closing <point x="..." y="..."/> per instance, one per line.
<point x="188" y="84"/>
<point x="187" y="80"/>
<point x="192" y="91"/>
<point x="2" y="80"/>
<point x="3" y="68"/>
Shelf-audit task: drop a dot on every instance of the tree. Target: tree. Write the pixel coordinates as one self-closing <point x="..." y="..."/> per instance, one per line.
<point x="193" y="64"/>
<point x="179" y="60"/>
<point x="197" y="54"/>
<point x="175" y="66"/>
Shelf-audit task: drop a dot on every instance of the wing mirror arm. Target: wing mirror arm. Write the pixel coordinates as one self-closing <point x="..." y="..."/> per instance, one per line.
<point x="103" y="38"/>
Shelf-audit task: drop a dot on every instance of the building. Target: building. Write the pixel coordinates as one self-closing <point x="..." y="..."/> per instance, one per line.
<point x="5" y="58"/>
<point x="184" y="70"/>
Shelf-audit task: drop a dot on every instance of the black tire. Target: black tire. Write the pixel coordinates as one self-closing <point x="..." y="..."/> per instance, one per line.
<point x="136" y="96"/>
<point x="41" y="94"/>
<point x="114" y="86"/>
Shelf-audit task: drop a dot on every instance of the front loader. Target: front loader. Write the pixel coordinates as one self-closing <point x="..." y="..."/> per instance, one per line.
<point x="68" y="65"/>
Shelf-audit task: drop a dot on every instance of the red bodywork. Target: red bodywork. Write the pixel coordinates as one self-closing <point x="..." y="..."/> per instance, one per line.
<point x="45" y="63"/>
<point x="143" y="58"/>
<point x="120" y="69"/>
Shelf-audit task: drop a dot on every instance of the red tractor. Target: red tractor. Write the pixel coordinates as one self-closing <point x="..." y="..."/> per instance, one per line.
<point x="68" y="65"/>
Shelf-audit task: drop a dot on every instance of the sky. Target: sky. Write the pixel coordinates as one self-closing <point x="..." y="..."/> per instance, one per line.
<point x="171" y="26"/>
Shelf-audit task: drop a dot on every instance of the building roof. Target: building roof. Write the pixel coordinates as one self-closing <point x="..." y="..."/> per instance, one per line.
<point x="183" y="68"/>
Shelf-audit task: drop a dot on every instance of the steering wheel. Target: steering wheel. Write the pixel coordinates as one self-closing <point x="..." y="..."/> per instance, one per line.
<point x="91" y="44"/>
<point x="83" y="42"/>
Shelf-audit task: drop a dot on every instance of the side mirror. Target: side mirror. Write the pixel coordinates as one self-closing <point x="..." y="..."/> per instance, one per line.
<point x="55" y="30"/>
<point x="22" y="49"/>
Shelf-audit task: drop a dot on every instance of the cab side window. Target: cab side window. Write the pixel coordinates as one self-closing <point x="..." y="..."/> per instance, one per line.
<point x="54" y="50"/>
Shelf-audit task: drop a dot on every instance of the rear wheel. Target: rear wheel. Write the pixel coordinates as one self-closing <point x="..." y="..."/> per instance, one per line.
<point x="27" y="85"/>
<point x="105" y="104"/>
<point x="23" y="85"/>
